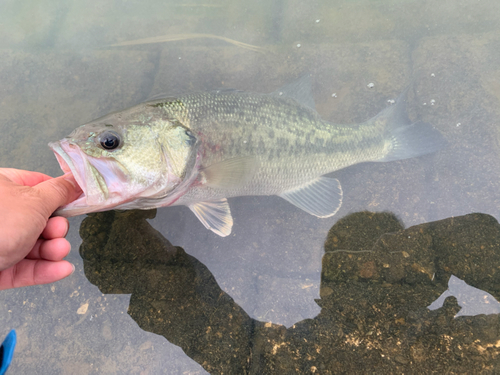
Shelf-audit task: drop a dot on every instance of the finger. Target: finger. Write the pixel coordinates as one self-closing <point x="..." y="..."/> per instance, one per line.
<point x="34" y="272"/>
<point x="58" y="191"/>
<point x="22" y="177"/>
<point x="57" y="227"/>
<point x="54" y="250"/>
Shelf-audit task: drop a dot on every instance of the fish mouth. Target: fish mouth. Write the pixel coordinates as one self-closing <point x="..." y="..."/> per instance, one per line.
<point x="66" y="163"/>
<point x="72" y="160"/>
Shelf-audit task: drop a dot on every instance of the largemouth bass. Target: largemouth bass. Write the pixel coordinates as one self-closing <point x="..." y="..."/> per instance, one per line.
<point x="200" y="149"/>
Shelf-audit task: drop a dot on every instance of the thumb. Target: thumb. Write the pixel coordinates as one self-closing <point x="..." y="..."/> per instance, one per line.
<point x="58" y="192"/>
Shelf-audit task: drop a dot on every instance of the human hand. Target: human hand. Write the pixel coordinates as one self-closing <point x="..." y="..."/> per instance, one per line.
<point x="32" y="244"/>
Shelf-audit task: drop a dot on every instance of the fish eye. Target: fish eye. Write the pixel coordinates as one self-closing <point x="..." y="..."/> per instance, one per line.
<point x="192" y="139"/>
<point x="109" y="140"/>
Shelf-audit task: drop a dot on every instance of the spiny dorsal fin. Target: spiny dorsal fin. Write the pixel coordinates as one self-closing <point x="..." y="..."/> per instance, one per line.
<point x="300" y="90"/>
<point x="215" y="216"/>
<point x="321" y="197"/>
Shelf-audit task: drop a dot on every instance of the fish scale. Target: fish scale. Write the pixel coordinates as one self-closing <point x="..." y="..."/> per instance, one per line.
<point x="241" y="123"/>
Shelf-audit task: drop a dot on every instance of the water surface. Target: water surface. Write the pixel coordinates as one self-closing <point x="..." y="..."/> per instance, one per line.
<point x="286" y="292"/>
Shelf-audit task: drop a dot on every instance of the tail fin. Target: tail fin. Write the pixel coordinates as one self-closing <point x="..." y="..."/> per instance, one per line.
<point x="405" y="139"/>
<point x="413" y="140"/>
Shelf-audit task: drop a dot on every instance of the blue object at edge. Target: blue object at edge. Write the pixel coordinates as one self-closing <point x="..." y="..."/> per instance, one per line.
<point x="8" y="346"/>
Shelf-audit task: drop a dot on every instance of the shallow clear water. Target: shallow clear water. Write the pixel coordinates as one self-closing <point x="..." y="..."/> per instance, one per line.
<point x="277" y="295"/>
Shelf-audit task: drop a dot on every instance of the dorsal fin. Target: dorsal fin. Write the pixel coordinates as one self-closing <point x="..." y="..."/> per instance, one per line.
<point x="300" y="90"/>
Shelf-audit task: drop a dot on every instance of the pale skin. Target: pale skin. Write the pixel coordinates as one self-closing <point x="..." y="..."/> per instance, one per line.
<point x="32" y="244"/>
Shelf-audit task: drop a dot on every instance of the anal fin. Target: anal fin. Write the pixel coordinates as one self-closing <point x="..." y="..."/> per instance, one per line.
<point x="321" y="197"/>
<point x="214" y="215"/>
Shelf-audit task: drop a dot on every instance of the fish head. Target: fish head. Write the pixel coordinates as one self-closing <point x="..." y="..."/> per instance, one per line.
<point x="124" y="158"/>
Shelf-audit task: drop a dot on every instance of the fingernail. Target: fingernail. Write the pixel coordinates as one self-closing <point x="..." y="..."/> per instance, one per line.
<point x="70" y="181"/>
<point x="67" y="229"/>
<point x="69" y="177"/>
<point x="72" y="265"/>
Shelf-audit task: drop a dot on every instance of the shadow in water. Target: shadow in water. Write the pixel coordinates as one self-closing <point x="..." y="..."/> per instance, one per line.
<point x="378" y="281"/>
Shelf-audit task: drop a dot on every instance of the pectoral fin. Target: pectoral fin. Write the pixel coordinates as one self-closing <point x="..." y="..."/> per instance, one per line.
<point x="215" y="216"/>
<point x="321" y="197"/>
<point x="231" y="173"/>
